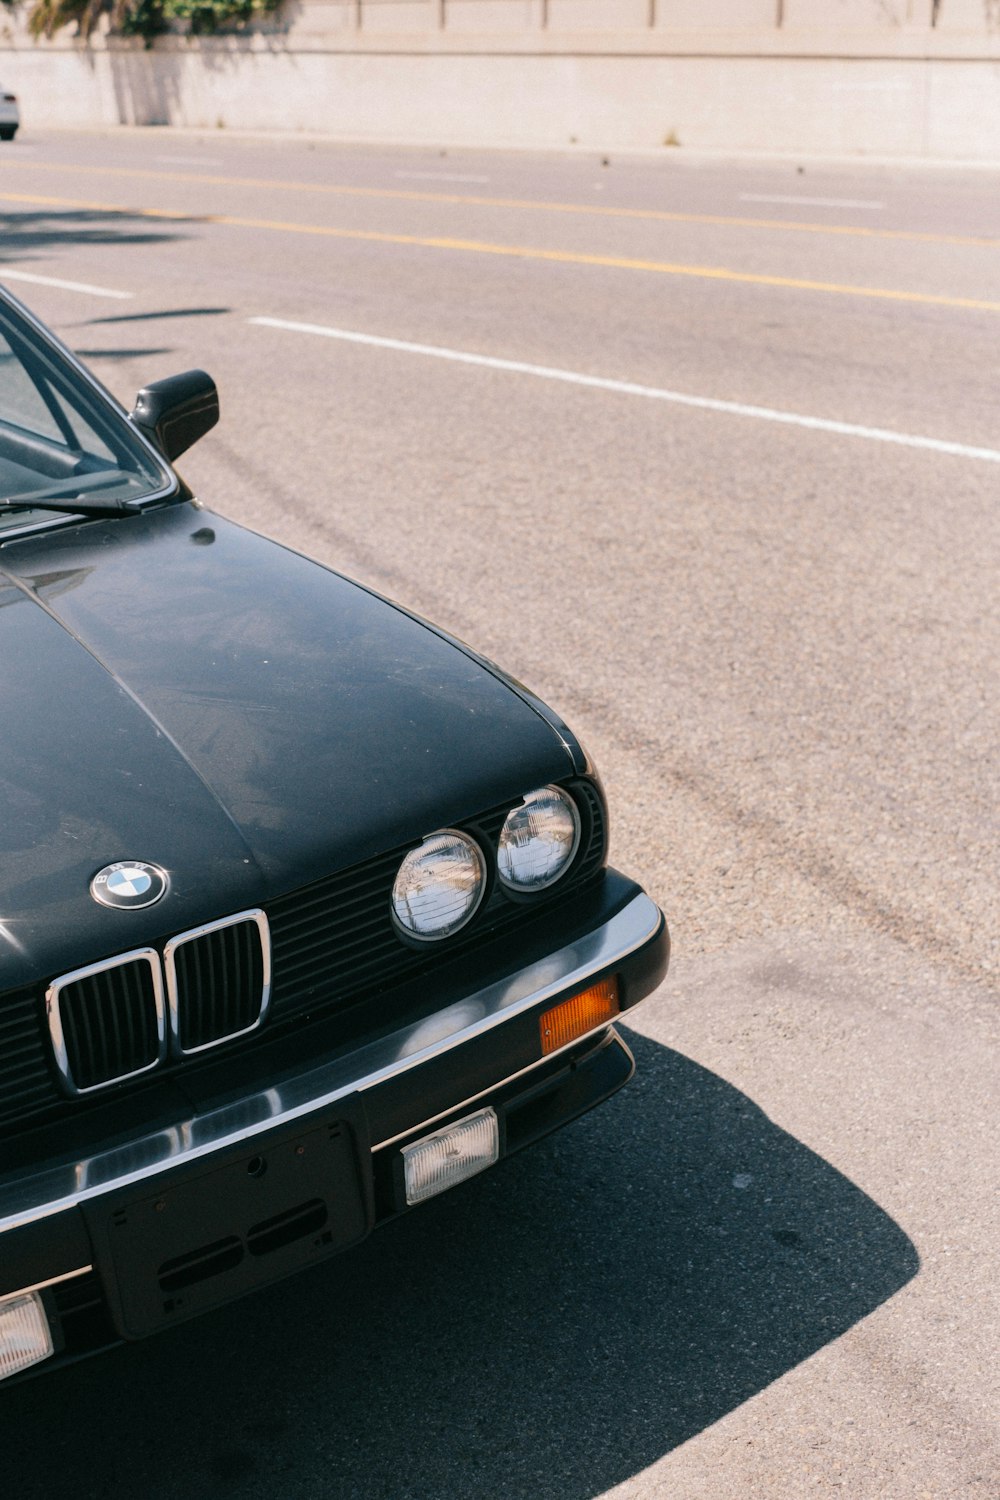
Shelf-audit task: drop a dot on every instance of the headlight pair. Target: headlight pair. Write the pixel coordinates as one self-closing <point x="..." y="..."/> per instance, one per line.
<point x="440" y="885"/>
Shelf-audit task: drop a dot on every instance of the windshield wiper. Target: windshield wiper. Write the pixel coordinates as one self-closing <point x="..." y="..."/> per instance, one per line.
<point x="73" y="507"/>
<point x="68" y="495"/>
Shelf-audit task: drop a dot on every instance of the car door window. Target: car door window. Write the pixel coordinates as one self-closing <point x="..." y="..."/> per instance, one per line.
<point x="55" y="428"/>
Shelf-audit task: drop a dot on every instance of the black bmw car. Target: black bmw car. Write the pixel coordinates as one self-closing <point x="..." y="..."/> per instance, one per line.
<point x="305" y="914"/>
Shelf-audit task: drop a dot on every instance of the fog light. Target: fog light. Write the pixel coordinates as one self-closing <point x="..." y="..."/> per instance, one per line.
<point x="450" y="1155"/>
<point x="24" y="1333"/>
<point x="573" y="1018"/>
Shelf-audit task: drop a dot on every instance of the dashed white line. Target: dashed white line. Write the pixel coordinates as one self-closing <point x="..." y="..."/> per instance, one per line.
<point x="192" y="161"/>
<point x="66" y="286"/>
<point x="651" y="392"/>
<point x="442" y="176"/>
<point x="810" y="202"/>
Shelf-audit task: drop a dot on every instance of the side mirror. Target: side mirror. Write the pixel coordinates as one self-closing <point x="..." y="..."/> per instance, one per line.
<point x="176" y="412"/>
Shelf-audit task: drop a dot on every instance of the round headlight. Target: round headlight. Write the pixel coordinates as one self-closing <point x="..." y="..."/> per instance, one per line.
<point x="538" y="840"/>
<point x="439" y="885"/>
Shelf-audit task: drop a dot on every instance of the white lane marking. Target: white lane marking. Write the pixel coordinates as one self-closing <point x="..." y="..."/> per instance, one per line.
<point x="192" y="161"/>
<point x="67" y="286"/>
<point x="442" y="176"/>
<point x="652" y="392"/>
<point x="810" y="202"/>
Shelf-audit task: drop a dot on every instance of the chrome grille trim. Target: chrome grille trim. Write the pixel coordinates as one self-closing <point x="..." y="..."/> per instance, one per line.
<point x="57" y="1030"/>
<point x="174" y="999"/>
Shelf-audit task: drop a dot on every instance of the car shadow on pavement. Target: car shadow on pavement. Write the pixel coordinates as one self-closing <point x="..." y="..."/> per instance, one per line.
<point x="160" y="313"/>
<point x="549" y="1329"/>
<point x="96" y="354"/>
<point x="27" y="234"/>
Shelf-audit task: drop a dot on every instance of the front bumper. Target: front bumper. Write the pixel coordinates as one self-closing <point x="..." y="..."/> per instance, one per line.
<point x="323" y="1143"/>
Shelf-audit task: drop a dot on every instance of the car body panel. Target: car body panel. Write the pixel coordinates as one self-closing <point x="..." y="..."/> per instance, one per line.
<point x="300" y="722"/>
<point x="63" y="712"/>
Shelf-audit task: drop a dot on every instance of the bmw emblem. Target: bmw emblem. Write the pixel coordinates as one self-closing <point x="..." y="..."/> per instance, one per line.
<point x="129" y="884"/>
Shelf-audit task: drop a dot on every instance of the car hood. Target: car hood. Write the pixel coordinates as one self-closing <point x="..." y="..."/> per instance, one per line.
<point x="177" y="690"/>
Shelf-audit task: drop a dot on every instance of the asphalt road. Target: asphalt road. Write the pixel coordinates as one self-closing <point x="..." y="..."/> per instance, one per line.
<point x="720" y="480"/>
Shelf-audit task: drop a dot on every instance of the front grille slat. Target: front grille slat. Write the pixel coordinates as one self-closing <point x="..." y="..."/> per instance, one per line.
<point x="26" y="1079"/>
<point x="329" y="944"/>
<point x="235" y="966"/>
<point x="216" y="978"/>
<point x="347" y="897"/>
<point x="190" y="1026"/>
<point x="116" y="1018"/>
<point x="109" y="1016"/>
<point x="333" y="950"/>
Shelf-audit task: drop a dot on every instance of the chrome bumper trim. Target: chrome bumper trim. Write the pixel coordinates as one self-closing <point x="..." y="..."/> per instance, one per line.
<point x="64" y="1184"/>
<point x="40" y="1286"/>
<point x="504" y="1082"/>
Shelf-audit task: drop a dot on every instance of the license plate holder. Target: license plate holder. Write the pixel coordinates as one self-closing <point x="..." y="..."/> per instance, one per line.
<point x="211" y="1232"/>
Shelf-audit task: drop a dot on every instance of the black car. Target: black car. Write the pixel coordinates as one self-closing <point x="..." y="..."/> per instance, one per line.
<point x="305" y="914"/>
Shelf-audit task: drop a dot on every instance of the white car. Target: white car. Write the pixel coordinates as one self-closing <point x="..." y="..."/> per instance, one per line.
<point x="10" y="117"/>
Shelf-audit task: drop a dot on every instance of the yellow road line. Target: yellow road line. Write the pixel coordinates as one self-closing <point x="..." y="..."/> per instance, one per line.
<point x="522" y="252"/>
<point x="593" y="210"/>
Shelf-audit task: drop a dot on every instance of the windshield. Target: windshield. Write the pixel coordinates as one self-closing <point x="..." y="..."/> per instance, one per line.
<point x="58" y="436"/>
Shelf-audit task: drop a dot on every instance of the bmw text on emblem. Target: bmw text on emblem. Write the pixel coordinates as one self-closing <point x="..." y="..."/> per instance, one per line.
<point x="129" y="884"/>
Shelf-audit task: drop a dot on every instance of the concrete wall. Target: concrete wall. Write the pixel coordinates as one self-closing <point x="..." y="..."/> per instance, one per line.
<point x="542" y="73"/>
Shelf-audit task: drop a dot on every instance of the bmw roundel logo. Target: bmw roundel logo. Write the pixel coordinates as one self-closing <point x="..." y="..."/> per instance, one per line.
<point x="129" y="884"/>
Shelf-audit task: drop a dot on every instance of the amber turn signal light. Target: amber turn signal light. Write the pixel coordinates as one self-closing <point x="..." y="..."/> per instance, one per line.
<point x="572" y="1018"/>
